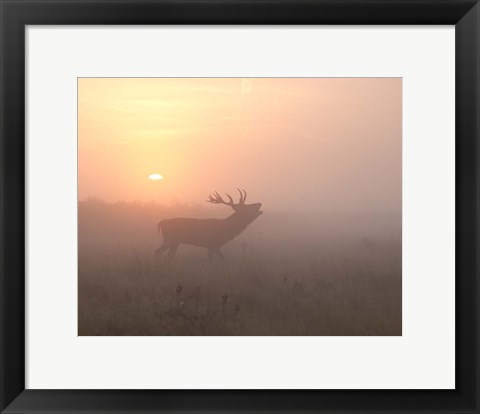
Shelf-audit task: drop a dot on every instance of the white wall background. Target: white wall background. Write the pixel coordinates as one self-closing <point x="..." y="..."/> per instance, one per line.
<point x="422" y="358"/>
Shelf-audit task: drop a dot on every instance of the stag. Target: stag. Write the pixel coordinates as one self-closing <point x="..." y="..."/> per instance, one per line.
<point x="209" y="233"/>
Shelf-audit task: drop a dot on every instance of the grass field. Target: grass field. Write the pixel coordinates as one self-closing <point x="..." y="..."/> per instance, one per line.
<point x="281" y="277"/>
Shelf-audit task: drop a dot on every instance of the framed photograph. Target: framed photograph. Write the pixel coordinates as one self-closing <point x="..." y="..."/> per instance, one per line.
<point x="239" y="206"/>
<point x="327" y="265"/>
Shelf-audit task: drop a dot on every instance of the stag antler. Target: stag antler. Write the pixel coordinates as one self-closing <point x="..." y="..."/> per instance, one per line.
<point x="243" y="196"/>
<point x="217" y="199"/>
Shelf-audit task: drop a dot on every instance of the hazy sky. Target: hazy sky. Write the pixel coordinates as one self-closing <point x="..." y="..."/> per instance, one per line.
<point x="293" y="144"/>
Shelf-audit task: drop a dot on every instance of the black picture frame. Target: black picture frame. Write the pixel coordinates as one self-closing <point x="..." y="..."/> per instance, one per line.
<point x="16" y="14"/>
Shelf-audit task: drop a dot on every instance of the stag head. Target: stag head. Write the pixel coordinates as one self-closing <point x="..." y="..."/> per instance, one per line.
<point x="250" y="210"/>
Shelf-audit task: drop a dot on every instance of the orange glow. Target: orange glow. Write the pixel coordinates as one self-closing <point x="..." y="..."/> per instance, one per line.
<point x="303" y="143"/>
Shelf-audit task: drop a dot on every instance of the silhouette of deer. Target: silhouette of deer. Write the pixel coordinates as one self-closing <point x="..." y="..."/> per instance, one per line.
<point x="209" y="233"/>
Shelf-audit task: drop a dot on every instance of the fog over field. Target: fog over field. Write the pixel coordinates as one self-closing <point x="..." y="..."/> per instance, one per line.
<point x="313" y="246"/>
<point x="286" y="274"/>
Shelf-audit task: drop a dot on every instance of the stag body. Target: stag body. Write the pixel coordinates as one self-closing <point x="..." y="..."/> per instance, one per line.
<point x="209" y="233"/>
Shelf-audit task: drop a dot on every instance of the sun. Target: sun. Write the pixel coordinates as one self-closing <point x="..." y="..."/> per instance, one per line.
<point x="155" y="177"/>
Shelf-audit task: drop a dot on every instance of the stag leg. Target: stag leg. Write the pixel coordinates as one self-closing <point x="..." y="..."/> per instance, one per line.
<point x="213" y="252"/>
<point x="210" y="255"/>
<point x="171" y="252"/>
<point x="220" y="255"/>
<point x="162" y="249"/>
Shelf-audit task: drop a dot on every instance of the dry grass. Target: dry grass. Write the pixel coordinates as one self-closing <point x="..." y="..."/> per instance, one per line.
<point x="317" y="288"/>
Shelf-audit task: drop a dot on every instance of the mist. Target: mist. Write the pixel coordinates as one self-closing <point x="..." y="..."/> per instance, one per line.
<point x="312" y="246"/>
<point x="286" y="274"/>
<point x="295" y="144"/>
